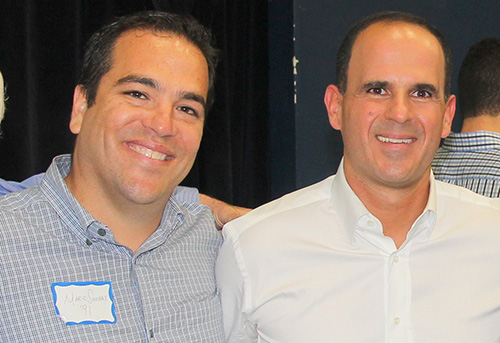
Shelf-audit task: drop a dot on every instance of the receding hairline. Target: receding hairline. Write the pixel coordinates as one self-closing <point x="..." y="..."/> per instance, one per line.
<point x="399" y="22"/>
<point x="345" y="49"/>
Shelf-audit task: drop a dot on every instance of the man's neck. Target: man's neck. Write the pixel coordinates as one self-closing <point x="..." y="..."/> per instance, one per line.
<point x="396" y="208"/>
<point x="481" y="123"/>
<point x="131" y="224"/>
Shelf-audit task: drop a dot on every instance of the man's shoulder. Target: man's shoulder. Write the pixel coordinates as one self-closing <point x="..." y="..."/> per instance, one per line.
<point x="26" y="208"/>
<point x="190" y="208"/>
<point x="471" y="160"/>
<point x="297" y="203"/>
<point x="22" y="210"/>
<point x="453" y="195"/>
<point x="467" y="216"/>
<point x="19" y="200"/>
<point x="196" y="216"/>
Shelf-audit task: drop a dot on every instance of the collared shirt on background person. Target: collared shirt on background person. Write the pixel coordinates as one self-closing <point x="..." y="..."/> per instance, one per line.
<point x="305" y="285"/>
<point x="470" y="160"/>
<point x="164" y="292"/>
<point x="7" y="187"/>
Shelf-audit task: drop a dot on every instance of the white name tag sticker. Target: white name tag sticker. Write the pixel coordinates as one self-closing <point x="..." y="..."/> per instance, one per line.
<point x="79" y="303"/>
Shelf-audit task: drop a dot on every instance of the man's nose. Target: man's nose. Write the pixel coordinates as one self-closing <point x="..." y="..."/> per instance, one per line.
<point x="399" y="109"/>
<point x="162" y="121"/>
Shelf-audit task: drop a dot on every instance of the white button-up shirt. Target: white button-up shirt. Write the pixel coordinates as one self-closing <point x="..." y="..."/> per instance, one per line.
<point x="315" y="266"/>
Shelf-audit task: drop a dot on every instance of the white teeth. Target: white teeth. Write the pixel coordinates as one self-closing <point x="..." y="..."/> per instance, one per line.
<point x="394" y="140"/>
<point x="155" y="155"/>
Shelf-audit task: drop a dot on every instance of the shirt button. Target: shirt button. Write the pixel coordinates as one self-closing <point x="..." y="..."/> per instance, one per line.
<point x="101" y="232"/>
<point x="370" y="222"/>
<point x="395" y="259"/>
<point x="397" y="320"/>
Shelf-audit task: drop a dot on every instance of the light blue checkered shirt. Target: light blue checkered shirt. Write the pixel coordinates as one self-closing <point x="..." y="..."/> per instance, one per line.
<point x="165" y="292"/>
<point x="470" y="160"/>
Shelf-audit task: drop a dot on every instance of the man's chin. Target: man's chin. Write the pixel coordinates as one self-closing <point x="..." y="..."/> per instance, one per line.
<point x="148" y="194"/>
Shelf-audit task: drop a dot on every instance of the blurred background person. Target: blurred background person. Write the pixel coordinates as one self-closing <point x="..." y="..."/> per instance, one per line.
<point x="12" y="186"/>
<point x="471" y="158"/>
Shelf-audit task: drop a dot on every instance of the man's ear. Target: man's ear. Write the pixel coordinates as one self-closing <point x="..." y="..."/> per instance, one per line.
<point x="333" y="103"/>
<point x="79" y="109"/>
<point x="449" y="114"/>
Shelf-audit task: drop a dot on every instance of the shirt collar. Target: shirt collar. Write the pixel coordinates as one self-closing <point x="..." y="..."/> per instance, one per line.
<point x="78" y="220"/>
<point x="57" y="193"/>
<point x="348" y="206"/>
<point x="472" y="141"/>
<point x="350" y="209"/>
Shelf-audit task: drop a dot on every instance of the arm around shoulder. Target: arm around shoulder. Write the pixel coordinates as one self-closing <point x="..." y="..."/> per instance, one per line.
<point x="223" y="212"/>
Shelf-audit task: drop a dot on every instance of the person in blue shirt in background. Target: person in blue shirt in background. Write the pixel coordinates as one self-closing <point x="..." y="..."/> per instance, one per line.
<point x="471" y="158"/>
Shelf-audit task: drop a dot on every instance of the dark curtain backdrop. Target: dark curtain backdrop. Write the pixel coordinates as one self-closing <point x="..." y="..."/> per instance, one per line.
<point x="40" y="51"/>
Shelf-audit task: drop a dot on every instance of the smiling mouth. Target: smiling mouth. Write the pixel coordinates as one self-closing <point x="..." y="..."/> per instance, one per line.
<point x="155" y="155"/>
<point x="395" y="140"/>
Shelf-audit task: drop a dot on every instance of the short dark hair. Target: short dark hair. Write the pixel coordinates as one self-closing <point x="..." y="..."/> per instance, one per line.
<point x="479" y="79"/>
<point x="345" y="50"/>
<point x="97" y="59"/>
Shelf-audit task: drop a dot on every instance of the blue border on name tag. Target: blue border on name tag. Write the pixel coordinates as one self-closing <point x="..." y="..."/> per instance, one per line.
<point x="96" y="283"/>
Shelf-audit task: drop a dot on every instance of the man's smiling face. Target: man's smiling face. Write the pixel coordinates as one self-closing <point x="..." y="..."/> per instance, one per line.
<point x="393" y="112"/>
<point x="139" y="139"/>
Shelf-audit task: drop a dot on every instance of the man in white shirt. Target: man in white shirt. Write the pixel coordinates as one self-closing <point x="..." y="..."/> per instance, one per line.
<point x="380" y="252"/>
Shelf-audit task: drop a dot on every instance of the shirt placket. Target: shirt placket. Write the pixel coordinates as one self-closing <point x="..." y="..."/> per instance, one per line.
<point x="398" y="297"/>
<point x="102" y="235"/>
<point x="140" y="281"/>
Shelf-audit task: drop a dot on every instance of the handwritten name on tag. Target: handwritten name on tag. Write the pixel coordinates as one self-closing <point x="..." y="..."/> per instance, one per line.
<point x="78" y="303"/>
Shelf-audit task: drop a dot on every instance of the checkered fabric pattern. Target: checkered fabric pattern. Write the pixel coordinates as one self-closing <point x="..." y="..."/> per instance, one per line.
<point x="165" y="292"/>
<point x="470" y="160"/>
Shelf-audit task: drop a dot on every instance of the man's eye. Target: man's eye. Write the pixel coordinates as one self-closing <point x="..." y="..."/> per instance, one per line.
<point x="377" y="91"/>
<point x="137" y="95"/>
<point x="422" y="94"/>
<point x="188" y="110"/>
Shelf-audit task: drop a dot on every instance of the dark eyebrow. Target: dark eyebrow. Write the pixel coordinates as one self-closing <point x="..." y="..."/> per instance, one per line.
<point x="137" y="79"/>
<point x="426" y="87"/>
<point x="195" y="97"/>
<point x="374" y="84"/>
<point x="154" y="84"/>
